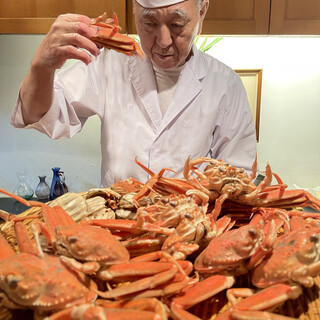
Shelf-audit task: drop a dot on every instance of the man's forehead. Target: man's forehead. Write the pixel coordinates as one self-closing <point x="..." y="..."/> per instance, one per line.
<point x="157" y="3"/>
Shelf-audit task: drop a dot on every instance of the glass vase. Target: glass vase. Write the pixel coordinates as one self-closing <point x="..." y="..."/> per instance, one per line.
<point x="23" y="188"/>
<point x="42" y="190"/>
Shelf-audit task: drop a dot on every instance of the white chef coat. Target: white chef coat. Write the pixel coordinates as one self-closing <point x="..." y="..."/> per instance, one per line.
<point x="209" y="114"/>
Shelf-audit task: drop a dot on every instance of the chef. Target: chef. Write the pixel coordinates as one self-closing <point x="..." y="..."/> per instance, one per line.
<point x="176" y="103"/>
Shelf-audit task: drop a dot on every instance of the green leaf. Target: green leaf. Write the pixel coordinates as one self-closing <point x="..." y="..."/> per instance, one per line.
<point x="203" y="47"/>
<point x="135" y="38"/>
<point x="209" y="46"/>
<point x="203" y="44"/>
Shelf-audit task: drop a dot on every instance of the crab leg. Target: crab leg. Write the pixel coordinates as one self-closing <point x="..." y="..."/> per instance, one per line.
<point x="276" y="197"/>
<point x="140" y="245"/>
<point x="147" y="277"/>
<point x="253" y="307"/>
<point x="135" y="270"/>
<point x="163" y="185"/>
<point x="90" y="311"/>
<point x="127" y="225"/>
<point x="27" y="203"/>
<point x="6" y="250"/>
<point x="142" y="284"/>
<point x="103" y="21"/>
<point x="198" y="293"/>
<point x="24" y="242"/>
<point x="147" y="304"/>
<point x="52" y="216"/>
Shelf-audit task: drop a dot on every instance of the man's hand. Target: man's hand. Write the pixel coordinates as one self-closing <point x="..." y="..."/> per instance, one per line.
<point x="68" y="35"/>
<point x="68" y="38"/>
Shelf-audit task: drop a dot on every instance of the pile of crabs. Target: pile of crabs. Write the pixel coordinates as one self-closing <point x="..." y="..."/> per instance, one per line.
<point x="183" y="241"/>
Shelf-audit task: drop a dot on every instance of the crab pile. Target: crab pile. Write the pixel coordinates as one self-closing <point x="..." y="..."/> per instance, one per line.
<point x="155" y="250"/>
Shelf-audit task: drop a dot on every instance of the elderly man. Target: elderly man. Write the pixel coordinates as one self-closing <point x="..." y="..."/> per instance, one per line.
<point x="178" y="102"/>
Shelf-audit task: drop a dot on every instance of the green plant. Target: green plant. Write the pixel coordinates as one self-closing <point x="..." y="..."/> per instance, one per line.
<point x="204" y="47"/>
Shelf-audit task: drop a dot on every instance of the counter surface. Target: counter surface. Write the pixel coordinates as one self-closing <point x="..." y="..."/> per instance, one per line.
<point x="12" y="206"/>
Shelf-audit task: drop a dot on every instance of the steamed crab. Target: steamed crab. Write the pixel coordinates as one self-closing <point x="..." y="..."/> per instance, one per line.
<point x="44" y="284"/>
<point x="109" y="37"/>
<point x="232" y="253"/>
<point x="222" y="181"/>
<point x="290" y="263"/>
<point x="186" y="215"/>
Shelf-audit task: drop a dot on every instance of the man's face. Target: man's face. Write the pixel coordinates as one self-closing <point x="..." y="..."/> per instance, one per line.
<point x="167" y="33"/>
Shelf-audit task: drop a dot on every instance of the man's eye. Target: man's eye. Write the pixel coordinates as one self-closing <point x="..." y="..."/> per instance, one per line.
<point x="149" y="24"/>
<point x="177" y="25"/>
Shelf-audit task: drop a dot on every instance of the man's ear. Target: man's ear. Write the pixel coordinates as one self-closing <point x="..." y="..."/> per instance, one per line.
<point x="203" y="12"/>
<point x="204" y="9"/>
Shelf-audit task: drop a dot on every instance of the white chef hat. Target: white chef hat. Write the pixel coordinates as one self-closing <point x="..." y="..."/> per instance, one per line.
<point x="157" y="3"/>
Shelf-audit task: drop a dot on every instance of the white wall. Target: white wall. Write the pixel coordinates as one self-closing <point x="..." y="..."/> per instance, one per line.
<point x="290" y="102"/>
<point x="289" y="124"/>
<point x="29" y="150"/>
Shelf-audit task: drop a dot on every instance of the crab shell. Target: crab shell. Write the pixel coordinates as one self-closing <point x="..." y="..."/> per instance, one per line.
<point x="169" y="211"/>
<point x="295" y="258"/>
<point x="42" y="284"/>
<point x="229" y="252"/>
<point x="90" y="243"/>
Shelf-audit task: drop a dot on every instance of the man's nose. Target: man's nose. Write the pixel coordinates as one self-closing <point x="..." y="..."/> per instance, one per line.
<point x="164" y="38"/>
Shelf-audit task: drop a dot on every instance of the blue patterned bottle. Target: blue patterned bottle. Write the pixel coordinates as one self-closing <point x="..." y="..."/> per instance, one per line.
<point x="57" y="188"/>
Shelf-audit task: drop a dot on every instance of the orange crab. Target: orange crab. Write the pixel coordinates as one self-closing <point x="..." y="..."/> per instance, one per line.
<point x="223" y="181"/>
<point x="92" y="245"/>
<point x="89" y="249"/>
<point x="158" y="185"/>
<point x="44" y="284"/>
<point x="281" y="266"/>
<point x="109" y="37"/>
<point x="231" y="254"/>
<point x="192" y="226"/>
<point x="292" y="264"/>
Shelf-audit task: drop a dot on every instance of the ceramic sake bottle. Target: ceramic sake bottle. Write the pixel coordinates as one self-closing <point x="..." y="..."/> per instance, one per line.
<point x="42" y="190"/>
<point x="63" y="179"/>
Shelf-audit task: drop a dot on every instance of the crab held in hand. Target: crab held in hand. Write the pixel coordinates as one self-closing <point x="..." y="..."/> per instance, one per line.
<point x="109" y="37"/>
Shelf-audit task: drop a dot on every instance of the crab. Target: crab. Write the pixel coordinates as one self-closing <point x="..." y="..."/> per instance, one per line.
<point x="186" y="214"/>
<point x="222" y="181"/>
<point x="44" y="284"/>
<point x="154" y="274"/>
<point x="109" y="37"/>
<point x="295" y="257"/>
<point x="233" y="253"/>
<point x="88" y="242"/>
<point x="158" y="186"/>
<point x="291" y="265"/>
<point x="88" y="249"/>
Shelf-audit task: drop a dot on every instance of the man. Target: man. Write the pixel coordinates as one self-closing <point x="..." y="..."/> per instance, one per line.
<point x="178" y="102"/>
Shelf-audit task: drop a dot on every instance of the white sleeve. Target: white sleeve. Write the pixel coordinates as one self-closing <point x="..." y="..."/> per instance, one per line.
<point x="78" y="94"/>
